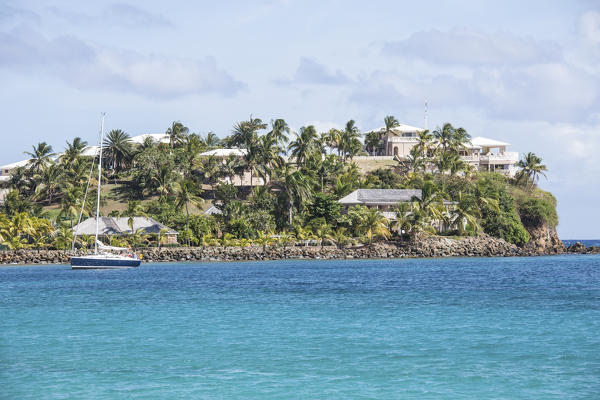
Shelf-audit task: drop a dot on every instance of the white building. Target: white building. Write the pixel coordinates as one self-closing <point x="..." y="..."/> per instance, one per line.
<point x="482" y="153"/>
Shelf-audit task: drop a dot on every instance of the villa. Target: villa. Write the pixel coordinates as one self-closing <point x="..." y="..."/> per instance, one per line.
<point x="385" y="200"/>
<point x="482" y="153"/>
<point x="119" y="226"/>
<point x="237" y="180"/>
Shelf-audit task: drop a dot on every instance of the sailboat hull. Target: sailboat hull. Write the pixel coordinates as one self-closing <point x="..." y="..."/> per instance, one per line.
<point x="103" y="263"/>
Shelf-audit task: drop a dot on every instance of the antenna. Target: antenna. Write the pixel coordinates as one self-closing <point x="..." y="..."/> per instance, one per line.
<point x="426" y="124"/>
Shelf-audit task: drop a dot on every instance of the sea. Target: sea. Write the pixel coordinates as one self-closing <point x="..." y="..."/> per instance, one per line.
<point x="458" y="328"/>
<point x="586" y="242"/>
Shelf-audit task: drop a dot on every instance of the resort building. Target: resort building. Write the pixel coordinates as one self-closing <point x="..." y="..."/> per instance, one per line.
<point x="385" y="200"/>
<point x="482" y="153"/>
<point x="119" y="226"/>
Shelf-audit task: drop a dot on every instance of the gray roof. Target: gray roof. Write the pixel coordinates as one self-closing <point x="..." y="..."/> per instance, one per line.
<point x="119" y="225"/>
<point x="380" y="196"/>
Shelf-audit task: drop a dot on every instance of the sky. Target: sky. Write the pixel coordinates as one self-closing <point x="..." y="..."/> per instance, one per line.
<point x="524" y="72"/>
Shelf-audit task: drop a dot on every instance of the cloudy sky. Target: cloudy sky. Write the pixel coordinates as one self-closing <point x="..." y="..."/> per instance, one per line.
<point x="526" y="72"/>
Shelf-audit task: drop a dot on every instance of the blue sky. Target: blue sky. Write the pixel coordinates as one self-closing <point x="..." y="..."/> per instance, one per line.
<point x="522" y="72"/>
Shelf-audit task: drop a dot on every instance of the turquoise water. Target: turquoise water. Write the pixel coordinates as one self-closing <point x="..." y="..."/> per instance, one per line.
<point x="503" y="328"/>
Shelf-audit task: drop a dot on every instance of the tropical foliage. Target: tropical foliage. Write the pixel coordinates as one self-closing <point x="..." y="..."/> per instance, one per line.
<point x="283" y="189"/>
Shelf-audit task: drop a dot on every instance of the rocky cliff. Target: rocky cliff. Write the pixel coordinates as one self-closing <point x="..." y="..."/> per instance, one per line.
<point x="544" y="240"/>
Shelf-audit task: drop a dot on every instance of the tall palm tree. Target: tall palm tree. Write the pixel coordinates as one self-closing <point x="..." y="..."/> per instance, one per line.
<point x="176" y="132"/>
<point x="305" y="144"/>
<point x="531" y="169"/>
<point x="390" y="123"/>
<point x="211" y="140"/>
<point x="293" y="186"/>
<point x="187" y="192"/>
<point x="465" y="212"/>
<point x="350" y="136"/>
<point x="40" y="156"/>
<point x="372" y="142"/>
<point x="134" y="209"/>
<point x="118" y="147"/>
<point x="280" y="130"/>
<point x="50" y="181"/>
<point x="74" y="149"/>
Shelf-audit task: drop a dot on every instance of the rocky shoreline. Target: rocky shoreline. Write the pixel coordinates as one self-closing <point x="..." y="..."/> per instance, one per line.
<point x="483" y="246"/>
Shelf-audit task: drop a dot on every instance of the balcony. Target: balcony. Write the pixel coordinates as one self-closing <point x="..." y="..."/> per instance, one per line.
<point x="508" y="157"/>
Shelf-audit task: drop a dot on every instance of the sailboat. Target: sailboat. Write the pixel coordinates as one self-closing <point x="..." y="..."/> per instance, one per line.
<point x="102" y="257"/>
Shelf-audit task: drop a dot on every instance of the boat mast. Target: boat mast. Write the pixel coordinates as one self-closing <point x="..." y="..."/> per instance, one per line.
<point x="99" y="180"/>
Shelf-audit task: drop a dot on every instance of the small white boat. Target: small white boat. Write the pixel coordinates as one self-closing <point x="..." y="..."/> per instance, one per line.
<point x="104" y="259"/>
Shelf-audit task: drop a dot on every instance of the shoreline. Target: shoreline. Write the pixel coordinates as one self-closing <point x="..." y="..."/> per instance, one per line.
<point x="432" y="247"/>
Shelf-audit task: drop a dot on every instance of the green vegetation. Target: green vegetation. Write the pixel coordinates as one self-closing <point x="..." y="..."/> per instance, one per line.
<point x="291" y="195"/>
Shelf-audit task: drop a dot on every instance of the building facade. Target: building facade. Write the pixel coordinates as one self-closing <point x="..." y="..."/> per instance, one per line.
<point x="481" y="153"/>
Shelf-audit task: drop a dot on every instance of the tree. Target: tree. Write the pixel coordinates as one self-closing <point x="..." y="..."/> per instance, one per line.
<point x="370" y="222"/>
<point x="187" y="192"/>
<point x="134" y="209"/>
<point x="74" y="149"/>
<point x="279" y="131"/>
<point x="350" y="138"/>
<point x="264" y="239"/>
<point x="372" y="142"/>
<point x="390" y="123"/>
<point x="293" y="186"/>
<point x="465" y="212"/>
<point x="176" y="132"/>
<point x="41" y="156"/>
<point x="305" y="144"/>
<point x="118" y="147"/>
<point x="531" y="168"/>
<point x="50" y="181"/>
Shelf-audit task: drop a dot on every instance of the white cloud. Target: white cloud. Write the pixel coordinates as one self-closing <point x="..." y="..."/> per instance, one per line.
<point x="589" y="26"/>
<point x="84" y="65"/>
<point x="311" y="72"/>
<point x="472" y="48"/>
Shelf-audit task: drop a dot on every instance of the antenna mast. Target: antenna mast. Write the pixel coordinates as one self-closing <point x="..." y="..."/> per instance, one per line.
<point x="426" y="122"/>
<point x="99" y="180"/>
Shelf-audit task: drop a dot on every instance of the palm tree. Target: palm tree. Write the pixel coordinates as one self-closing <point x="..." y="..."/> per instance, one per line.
<point x="466" y="211"/>
<point x="134" y="209"/>
<point x="162" y="178"/>
<point x="431" y="202"/>
<point x="340" y="237"/>
<point x="211" y="141"/>
<point x="118" y="146"/>
<point x="63" y="238"/>
<point x="305" y="144"/>
<point x="425" y="142"/>
<point x="350" y="136"/>
<point x="176" y="133"/>
<point x="187" y="192"/>
<point x="531" y="169"/>
<point x="279" y="131"/>
<point x="390" y="123"/>
<point x="372" y="142"/>
<point x="50" y="181"/>
<point x="371" y="222"/>
<point x="74" y="149"/>
<point x="264" y="239"/>
<point x="322" y="232"/>
<point x="40" y="156"/>
<point x="293" y="186"/>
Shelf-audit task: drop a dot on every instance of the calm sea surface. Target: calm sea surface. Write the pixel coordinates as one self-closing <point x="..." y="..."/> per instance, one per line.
<point x="503" y="328"/>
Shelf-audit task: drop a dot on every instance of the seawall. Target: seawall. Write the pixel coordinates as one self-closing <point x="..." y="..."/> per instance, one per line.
<point x="483" y="246"/>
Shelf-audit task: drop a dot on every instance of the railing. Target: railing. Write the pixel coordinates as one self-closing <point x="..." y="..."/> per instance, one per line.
<point x="508" y="156"/>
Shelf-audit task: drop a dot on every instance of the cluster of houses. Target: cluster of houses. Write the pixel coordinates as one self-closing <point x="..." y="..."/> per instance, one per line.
<point x="481" y="153"/>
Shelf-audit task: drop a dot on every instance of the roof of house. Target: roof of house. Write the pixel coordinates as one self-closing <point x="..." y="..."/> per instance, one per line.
<point x="119" y="225"/>
<point x="486" y="142"/>
<point x="400" y="128"/>
<point x="15" y="164"/>
<point x="157" y="137"/>
<point x="225" y="152"/>
<point x="212" y="210"/>
<point x="380" y="196"/>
